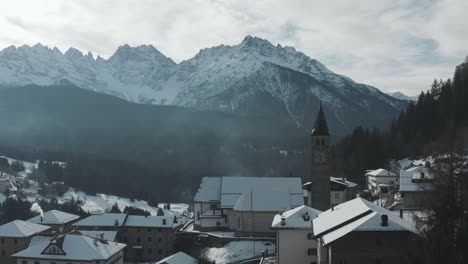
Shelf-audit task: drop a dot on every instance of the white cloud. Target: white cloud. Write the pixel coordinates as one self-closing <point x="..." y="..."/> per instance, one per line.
<point x="393" y="45"/>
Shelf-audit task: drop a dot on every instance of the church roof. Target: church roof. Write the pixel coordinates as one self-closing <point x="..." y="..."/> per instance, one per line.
<point x="320" y="126"/>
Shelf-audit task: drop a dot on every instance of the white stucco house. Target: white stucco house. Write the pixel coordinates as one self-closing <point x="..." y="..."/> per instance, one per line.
<point x="295" y="241"/>
<point x="245" y="205"/>
<point x="381" y="181"/>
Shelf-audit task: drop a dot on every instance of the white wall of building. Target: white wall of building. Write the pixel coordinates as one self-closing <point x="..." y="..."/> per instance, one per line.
<point x="293" y="247"/>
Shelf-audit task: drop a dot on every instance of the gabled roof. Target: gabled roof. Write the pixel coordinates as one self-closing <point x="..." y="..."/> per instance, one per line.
<point x="54" y="217"/>
<point x="297" y="218"/>
<point x="356" y="215"/>
<point x="74" y="247"/>
<point x="178" y="258"/>
<point x="320" y="126"/>
<point x="264" y="199"/>
<point x="19" y="228"/>
<point x="106" y="235"/>
<point x="150" y="221"/>
<point x="106" y="219"/>
<point x="209" y="190"/>
<point x="343" y="181"/>
<point x="228" y="191"/>
<point x="416" y="179"/>
<point x="381" y="173"/>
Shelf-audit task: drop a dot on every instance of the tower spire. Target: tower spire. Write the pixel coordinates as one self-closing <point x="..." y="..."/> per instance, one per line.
<point x="320" y="126"/>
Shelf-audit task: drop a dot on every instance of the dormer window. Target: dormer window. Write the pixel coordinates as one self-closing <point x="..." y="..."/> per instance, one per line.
<point x="53" y="249"/>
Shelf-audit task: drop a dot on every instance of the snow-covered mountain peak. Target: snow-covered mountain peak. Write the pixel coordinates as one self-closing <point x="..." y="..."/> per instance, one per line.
<point x="253" y="76"/>
<point x="73" y="53"/>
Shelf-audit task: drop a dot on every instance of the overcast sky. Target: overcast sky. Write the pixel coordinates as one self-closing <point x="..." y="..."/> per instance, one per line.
<point x="390" y="44"/>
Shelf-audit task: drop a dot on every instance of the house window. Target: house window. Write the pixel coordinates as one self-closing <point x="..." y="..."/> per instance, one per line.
<point x="159" y="240"/>
<point x="238" y="222"/>
<point x="16" y="241"/>
<point x="138" y="240"/>
<point x="310" y="236"/>
<point x="24" y="262"/>
<point x="218" y="223"/>
<point x="312" y="251"/>
<point x="198" y="216"/>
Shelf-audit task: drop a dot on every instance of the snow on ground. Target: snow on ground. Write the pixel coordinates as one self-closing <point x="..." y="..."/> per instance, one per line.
<point x="100" y="203"/>
<point x="28" y="166"/>
<point x="237" y="251"/>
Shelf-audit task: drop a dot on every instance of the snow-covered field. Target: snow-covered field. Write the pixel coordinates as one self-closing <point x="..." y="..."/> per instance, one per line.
<point x="100" y="203"/>
<point x="237" y="251"/>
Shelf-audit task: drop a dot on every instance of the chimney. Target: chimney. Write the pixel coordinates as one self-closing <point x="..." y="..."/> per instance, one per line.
<point x="401" y="213"/>
<point x="384" y="220"/>
<point x="283" y="220"/>
<point x="42" y="218"/>
<point x="333" y="207"/>
<point x="306" y="216"/>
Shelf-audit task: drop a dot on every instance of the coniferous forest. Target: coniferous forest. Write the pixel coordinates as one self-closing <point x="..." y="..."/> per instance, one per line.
<point x="439" y="114"/>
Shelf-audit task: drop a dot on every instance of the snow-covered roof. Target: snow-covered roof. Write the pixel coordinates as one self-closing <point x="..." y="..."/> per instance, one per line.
<point x="356" y="215"/>
<point x="381" y="173"/>
<point x="19" y="228"/>
<point x="106" y="219"/>
<point x="178" y="258"/>
<point x="343" y="181"/>
<point x="54" y="217"/>
<point x="267" y="199"/>
<point x="413" y="179"/>
<point x="106" y="235"/>
<point x="149" y="221"/>
<point x="297" y="218"/>
<point x="209" y="190"/>
<point x="404" y="163"/>
<point x="278" y="193"/>
<point x="74" y="247"/>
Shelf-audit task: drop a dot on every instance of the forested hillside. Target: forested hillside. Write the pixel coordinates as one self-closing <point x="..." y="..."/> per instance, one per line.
<point x="430" y="125"/>
<point x="142" y="151"/>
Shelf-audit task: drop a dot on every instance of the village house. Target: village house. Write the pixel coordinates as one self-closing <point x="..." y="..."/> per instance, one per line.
<point x="415" y="187"/>
<point x="15" y="236"/>
<point x="295" y="242"/>
<point x="342" y="190"/>
<point x="245" y="205"/>
<point x="381" y="181"/>
<point x="58" y="221"/>
<point x="359" y="231"/>
<point x="149" y="238"/>
<point x="71" y="249"/>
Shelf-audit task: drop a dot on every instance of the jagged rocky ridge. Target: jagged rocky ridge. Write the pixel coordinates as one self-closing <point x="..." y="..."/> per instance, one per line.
<point x="252" y="78"/>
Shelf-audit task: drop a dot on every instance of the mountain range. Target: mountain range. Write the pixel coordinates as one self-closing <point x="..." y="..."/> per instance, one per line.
<point x="253" y="78"/>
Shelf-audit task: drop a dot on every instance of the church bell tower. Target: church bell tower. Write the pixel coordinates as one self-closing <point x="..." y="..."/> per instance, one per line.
<point x="319" y="164"/>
